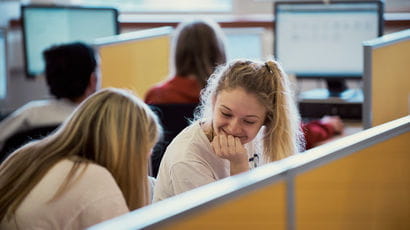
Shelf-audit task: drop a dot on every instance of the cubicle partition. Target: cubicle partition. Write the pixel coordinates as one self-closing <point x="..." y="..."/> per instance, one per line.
<point x="386" y="81"/>
<point x="369" y="189"/>
<point x="135" y="60"/>
<point x="357" y="182"/>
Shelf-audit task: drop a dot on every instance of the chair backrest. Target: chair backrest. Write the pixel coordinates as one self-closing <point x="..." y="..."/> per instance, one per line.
<point x="174" y="118"/>
<point x="20" y="138"/>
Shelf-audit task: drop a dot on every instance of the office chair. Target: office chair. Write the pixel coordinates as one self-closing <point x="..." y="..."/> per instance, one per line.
<point x="20" y="138"/>
<point x="174" y="118"/>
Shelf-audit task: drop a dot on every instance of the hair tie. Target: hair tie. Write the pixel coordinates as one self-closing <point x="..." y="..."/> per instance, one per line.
<point x="269" y="68"/>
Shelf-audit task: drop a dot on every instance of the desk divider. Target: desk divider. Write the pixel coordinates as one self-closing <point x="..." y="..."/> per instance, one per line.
<point x="135" y="60"/>
<point x="369" y="189"/>
<point x="386" y="78"/>
<point x="360" y="181"/>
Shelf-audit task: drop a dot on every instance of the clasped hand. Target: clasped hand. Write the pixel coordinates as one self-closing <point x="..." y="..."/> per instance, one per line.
<point x="230" y="148"/>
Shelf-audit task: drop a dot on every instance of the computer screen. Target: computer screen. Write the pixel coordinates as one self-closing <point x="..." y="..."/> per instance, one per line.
<point x="44" y="26"/>
<point x="324" y="40"/>
<point x="3" y="65"/>
<point x="244" y="43"/>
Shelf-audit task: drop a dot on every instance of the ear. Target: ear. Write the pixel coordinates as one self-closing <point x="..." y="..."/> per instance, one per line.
<point x="93" y="84"/>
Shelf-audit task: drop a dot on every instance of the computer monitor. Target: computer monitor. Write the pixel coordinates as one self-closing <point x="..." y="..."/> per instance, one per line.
<point x="44" y="26"/>
<point x="3" y="66"/>
<point x="244" y="43"/>
<point x="324" y="39"/>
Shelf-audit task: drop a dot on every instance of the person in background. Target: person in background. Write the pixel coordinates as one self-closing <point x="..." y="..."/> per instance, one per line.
<point x="71" y="72"/>
<point x="197" y="48"/>
<point x="247" y="114"/>
<point x="93" y="168"/>
<point x="320" y="130"/>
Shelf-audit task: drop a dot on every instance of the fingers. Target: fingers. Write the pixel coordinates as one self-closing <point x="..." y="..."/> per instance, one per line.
<point x="338" y="125"/>
<point x="223" y="142"/>
<point x="221" y="146"/>
<point x="335" y="122"/>
<point x="230" y="148"/>
<point x="238" y="144"/>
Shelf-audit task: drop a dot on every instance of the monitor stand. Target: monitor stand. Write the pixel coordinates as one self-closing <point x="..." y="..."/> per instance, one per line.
<point x="336" y="87"/>
<point x="336" y="99"/>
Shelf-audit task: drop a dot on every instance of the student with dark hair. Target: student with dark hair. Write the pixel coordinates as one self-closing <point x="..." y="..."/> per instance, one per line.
<point x="72" y="75"/>
<point x="197" y="49"/>
<point x="71" y="71"/>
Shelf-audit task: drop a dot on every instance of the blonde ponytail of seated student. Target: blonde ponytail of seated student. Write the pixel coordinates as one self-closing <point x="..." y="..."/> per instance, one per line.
<point x="112" y="128"/>
<point x="281" y="135"/>
<point x="282" y="131"/>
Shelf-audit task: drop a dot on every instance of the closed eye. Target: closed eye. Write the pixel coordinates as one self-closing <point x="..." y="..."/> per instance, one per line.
<point x="249" y="122"/>
<point x="226" y="114"/>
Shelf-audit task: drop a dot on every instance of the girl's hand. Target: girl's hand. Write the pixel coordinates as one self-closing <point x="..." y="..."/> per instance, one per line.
<point x="335" y="122"/>
<point x="230" y="148"/>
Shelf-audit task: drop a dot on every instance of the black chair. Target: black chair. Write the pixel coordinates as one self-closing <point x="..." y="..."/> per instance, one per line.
<point x="174" y="118"/>
<point x="20" y="138"/>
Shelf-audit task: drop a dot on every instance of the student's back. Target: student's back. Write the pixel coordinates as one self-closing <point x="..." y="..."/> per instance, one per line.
<point x="73" y="209"/>
<point x="71" y="77"/>
<point x="197" y="49"/>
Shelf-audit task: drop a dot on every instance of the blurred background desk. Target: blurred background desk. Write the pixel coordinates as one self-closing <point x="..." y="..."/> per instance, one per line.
<point x="350" y="127"/>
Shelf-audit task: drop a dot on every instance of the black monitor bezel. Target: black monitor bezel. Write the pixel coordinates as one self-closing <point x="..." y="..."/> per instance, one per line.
<point x="23" y="20"/>
<point x="380" y="6"/>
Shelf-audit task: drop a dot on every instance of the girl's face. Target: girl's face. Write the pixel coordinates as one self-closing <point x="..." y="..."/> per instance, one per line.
<point x="239" y="114"/>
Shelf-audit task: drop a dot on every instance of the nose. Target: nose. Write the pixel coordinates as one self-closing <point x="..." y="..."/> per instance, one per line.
<point x="234" y="127"/>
